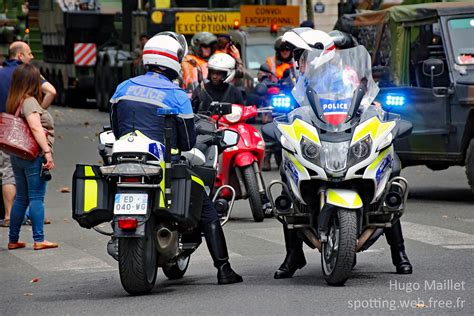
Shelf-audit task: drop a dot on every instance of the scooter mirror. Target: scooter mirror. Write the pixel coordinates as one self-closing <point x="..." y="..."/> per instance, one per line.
<point x="229" y="138"/>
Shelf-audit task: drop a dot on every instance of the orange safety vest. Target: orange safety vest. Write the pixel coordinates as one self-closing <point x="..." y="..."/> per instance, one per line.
<point x="190" y="73"/>
<point x="279" y="69"/>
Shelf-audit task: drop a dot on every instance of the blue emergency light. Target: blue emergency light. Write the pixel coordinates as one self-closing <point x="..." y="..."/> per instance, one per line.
<point x="281" y="103"/>
<point x="395" y="100"/>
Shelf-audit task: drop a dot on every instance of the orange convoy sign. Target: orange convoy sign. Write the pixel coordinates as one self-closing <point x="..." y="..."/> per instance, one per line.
<point x="266" y="15"/>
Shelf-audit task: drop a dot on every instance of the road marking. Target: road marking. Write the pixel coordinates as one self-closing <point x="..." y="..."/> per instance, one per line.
<point x="460" y="247"/>
<point x="437" y="236"/>
<point x="64" y="258"/>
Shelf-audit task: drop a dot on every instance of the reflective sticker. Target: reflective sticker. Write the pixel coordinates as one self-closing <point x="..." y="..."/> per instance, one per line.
<point x="384" y="166"/>
<point x="344" y="198"/>
<point x="91" y="190"/>
<point x="372" y="127"/>
<point x="197" y="180"/>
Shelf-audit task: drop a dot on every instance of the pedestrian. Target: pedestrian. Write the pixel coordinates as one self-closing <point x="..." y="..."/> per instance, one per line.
<point x="18" y="53"/>
<point x="25" y="92"/>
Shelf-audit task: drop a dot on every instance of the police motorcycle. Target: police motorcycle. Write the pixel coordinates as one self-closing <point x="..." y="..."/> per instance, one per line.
<point x="338" y="157"/>
<point x="153" y="205"/>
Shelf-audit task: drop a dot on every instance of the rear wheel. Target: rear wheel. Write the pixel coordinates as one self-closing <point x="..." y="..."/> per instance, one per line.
<point x="176" y="270"/>
<point x="470" y="164"/>
<point x="255" y="199"/>
<point x="138" y="262"/>
<point x="338" y="253"/>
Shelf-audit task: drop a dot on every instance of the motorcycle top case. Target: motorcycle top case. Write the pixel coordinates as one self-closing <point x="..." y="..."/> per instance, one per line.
<point x="187" y="192"/>
<point x="92" y="201"/>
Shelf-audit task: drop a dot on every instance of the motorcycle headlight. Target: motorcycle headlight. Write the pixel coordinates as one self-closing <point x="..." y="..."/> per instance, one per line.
<point x="311" y="151"/>
<point x="235" y="116"/>
<point x="360" y="150"/>
<point x="335" y="157"/>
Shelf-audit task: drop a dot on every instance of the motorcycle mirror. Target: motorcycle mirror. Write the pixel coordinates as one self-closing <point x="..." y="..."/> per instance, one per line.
<point x="404" y="128"/>
<point x="261" y="89"/>
<point x="229" y="138"/>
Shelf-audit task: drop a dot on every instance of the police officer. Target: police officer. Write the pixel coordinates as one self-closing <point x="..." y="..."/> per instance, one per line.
<point x="134" y="106"/>
<point x="302" y="39"/>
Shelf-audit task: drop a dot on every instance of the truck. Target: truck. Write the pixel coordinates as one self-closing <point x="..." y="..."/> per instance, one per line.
<point x="422" y="58"/>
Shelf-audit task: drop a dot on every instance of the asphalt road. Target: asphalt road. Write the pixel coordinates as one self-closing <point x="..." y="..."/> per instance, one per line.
<point x="80" y="278"/>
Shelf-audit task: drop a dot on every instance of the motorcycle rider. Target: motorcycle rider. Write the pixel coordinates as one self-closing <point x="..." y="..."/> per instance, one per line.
<point x="134" y="107"/>
<point x="202" y="46"/>
<point x="303" y="40"/>
<point x="280" y="64"/>
<point x="221" y="71"/>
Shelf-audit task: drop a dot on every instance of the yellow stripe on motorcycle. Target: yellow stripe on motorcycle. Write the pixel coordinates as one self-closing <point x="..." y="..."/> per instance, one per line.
<point x="162" y="186"/>
<point x="298" y="129"/>
<point x="379" y="158"/>
<point x="304" y="129"/>
<point x="343" y="198"/>
<point x="372" y="127"/>
<point x="90" y="190"/>
<point x="297" y="164"/>
<point x="197" y="180"/>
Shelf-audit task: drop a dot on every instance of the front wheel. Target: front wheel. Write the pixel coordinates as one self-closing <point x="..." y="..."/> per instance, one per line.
<point x="470" y="164"/>
<point x="177" y="269"/>
<point x="138" y="262"/>
<point x="337" y="254"/>
<point x="255" y="199"/>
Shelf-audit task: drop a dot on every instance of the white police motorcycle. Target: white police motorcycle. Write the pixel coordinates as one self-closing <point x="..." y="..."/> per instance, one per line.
<point x="153" y="205"/>
<point x="338" y="157"/>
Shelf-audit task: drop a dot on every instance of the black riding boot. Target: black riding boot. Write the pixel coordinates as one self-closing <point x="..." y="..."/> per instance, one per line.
<point x="294" y="259"/>
<point x="218" y="249"/>
<point x="400" y="260"/>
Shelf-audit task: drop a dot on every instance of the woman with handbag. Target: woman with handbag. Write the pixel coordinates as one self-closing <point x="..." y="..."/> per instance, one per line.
<point x="25" y="97"/>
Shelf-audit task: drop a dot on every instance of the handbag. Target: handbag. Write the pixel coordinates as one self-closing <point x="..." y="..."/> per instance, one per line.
<point x="16" y="137"/>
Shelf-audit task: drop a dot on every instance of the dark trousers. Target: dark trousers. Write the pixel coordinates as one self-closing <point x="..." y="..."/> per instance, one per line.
<point x="209" y="213"/>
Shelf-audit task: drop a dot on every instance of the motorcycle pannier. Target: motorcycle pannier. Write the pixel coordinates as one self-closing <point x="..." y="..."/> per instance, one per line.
<point x="92" y="203"/>
<point x="187" y="191"/>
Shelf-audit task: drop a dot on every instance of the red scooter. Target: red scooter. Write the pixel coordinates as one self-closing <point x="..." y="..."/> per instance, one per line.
<point x="241" y="166"/>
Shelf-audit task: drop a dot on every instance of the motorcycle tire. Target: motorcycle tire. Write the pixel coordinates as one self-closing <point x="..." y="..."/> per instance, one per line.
<point x="176" y="270"/>
<point x="256" y="204"/>
<point x="138" y="262"/>
<point x="470" y="164"/>
<point x="338" y="253"/>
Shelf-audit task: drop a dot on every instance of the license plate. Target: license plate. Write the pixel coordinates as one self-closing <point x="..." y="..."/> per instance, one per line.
<point x="130" y="204"/>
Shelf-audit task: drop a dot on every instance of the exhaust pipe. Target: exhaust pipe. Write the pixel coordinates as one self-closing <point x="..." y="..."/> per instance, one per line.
<point x="397" y="194"/>
<point x="167" y="241"/>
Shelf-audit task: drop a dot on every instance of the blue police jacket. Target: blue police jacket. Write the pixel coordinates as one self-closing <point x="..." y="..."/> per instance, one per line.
<point x="135" y="106"/>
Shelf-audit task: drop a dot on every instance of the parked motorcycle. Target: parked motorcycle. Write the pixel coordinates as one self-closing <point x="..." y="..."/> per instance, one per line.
<point x="339" y="162"/>
<point x="154" y="206"/>
<point x="241" y="164"/>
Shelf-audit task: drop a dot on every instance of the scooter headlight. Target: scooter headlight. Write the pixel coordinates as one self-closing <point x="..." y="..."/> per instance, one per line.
<point x="360" y="150"/>
<point x="235" y="116"/>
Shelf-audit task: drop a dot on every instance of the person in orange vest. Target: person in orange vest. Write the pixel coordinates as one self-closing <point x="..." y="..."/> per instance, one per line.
<point x="282" y="60"/>
<point x="203" y="45"/>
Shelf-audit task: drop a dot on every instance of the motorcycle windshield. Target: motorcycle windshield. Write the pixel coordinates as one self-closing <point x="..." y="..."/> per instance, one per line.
<point x="335" y="85"/>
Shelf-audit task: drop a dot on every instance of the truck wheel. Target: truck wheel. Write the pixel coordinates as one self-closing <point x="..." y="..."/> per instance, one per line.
<point x="255" y="199"/>
<point x="98" y="85"/>
<point x="176" y="270"/>
<point x="138" y="262"/>
<point x="470" y="164"/>
<point x="338" y="253"/>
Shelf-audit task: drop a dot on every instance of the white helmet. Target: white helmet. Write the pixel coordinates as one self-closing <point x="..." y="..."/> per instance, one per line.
<point x="223" y="62"/>
<point x="165" y="51"/>
<point x="305" y="38"/>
